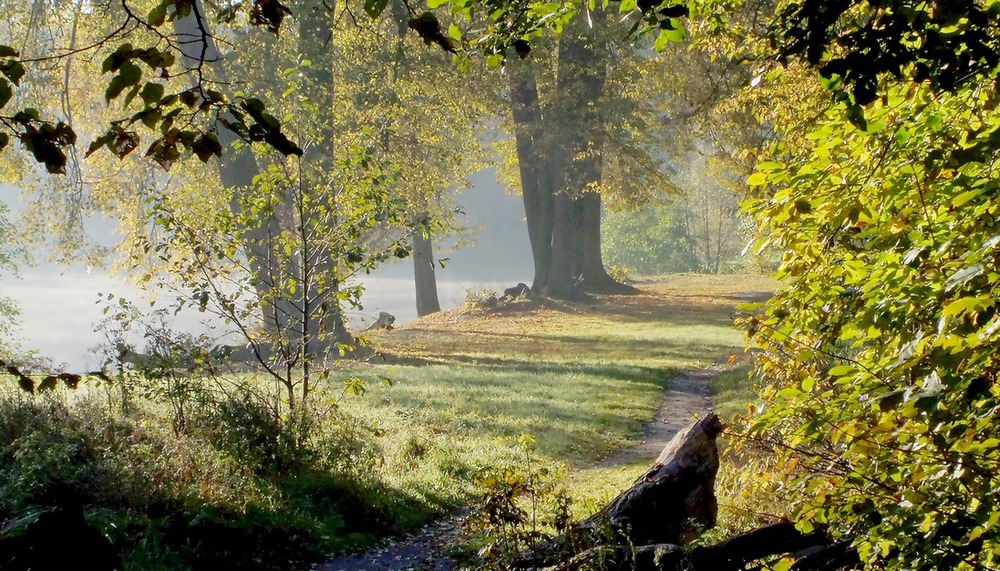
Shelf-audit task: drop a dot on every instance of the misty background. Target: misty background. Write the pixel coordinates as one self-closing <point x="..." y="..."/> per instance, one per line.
<point x="60" y="306"/>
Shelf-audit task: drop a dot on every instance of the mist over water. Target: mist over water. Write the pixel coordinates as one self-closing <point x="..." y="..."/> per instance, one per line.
<point x="60" y="309"/>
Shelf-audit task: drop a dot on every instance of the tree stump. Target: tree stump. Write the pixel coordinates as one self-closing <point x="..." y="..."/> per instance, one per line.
<point x="647" y="527"/>
<point x="672" y="502"/>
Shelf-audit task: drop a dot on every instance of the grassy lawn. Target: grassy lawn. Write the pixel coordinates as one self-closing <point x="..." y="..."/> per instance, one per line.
<point x="529" y="384"/>
<point x="582" y="379"/>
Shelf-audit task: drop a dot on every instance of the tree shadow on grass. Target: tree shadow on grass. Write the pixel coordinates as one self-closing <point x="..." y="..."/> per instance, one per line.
<point x="532" y="351"/>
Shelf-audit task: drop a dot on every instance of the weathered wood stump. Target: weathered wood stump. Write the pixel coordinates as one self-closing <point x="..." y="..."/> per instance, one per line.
<point x="385" y="321"/>
<point x="647" y="527"/>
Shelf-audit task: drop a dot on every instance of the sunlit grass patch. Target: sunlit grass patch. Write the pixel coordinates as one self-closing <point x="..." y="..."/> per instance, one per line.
<point x="733" y="391"/>
<point x="581" y="379"/>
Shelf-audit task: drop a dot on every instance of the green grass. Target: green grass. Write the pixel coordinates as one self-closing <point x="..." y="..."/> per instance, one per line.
<point x="581" y="379"/>
<point x="733" y="391"/>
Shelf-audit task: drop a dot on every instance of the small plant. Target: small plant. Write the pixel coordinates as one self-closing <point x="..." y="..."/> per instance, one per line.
<point x="478" y="299"/>
<point x="173" y="368"/>
<point x="520" y="504"/>
<point x="621" y="274"/>
<point x="250" y="428"/>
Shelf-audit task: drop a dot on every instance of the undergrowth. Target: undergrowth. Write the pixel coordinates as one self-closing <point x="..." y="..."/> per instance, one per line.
<point x="241" y="486"/>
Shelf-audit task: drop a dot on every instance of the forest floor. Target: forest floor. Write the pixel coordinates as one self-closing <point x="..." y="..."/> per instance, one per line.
<point x="503" y="334"/>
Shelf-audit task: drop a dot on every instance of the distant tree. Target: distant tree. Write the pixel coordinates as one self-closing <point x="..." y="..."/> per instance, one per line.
<point x="584" y="132"/>
<point x="650" y="240"/>
<point x="700" y="230"/>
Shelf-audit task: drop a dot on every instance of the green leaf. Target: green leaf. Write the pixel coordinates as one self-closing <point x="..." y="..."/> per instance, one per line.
<point x="5" y="92"/>
<point x="116" y="59"/>
<point x="757" y="179"/>
<point x="158" y="15"/>
<point x="151" y="93"/>
<point x="13" y="70"/>
<point x="808" y="383"/>
<point x="966" y="196"/>
<point x="4" y="140"/>
<point x="842" y="370"/>
<point x="965" y="304"/>
<point x="374" y="8"/>
<point x="150" y="117"/>
<point x="129" y="75"/>
<point x="7" y="51"/>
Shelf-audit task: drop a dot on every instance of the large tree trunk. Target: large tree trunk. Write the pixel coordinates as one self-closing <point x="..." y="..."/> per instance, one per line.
<point x="575" y="152"/>
<point x="576" y="161"/>
<point x="564" y="264"/>
<point x="312" y="321"/>
<point x="424" y="279"/>
<point x="237" y="170"/>
<point x="533" y="163"/>
<point x="594" y="275"/>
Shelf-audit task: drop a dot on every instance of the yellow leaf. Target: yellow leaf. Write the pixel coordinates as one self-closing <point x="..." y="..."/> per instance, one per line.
<point x="757" y="179"/>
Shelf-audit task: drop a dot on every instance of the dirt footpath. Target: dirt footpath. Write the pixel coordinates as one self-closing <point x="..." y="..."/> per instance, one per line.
<point x="687" y="397"/>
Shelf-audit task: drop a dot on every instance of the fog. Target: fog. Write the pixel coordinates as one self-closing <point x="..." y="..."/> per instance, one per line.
<point x="60" y="310"/>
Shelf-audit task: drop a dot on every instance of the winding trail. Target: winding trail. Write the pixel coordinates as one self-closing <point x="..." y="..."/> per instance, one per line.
<point x="685" y="398"/>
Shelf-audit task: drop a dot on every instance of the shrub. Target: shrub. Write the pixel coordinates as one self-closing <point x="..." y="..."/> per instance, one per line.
<point x="520" y="501"/>
<point x="478" y="299"/>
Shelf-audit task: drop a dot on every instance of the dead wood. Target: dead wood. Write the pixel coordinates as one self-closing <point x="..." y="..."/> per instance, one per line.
<point x="648" y="526"/>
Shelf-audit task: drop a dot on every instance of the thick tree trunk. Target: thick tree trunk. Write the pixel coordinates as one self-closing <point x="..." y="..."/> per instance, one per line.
<point x="325" y="321"/>
<point x="237" y="170"/>
<point x="564" y="264"/>
<point x="424" y="278"/>
<point x="536" y="179"/>
<point x="571" y="122"/>
<point x="593" y="274"/>
<point x="577" y="165"/>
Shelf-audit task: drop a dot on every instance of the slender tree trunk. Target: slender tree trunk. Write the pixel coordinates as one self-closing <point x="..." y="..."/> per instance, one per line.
<point x="423" y="268"/>
<point x="326" y="319"/>
<point x="536" y="177"/>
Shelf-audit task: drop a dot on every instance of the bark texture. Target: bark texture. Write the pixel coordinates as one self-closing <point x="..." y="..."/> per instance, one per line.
<point x="648" y="526"/>
<point x="424" y="277"/>
<point x="560" y="148"/>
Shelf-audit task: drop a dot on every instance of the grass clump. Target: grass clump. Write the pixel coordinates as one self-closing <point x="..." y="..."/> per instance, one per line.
<point x="239" y="487"/>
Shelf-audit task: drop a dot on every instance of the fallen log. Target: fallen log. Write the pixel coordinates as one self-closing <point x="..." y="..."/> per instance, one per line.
<point x="811" y="552"/>
<point x="648" y="526"/>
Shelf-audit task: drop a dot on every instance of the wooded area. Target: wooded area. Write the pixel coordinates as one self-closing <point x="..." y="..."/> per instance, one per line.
<point x="260" y="157"/>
